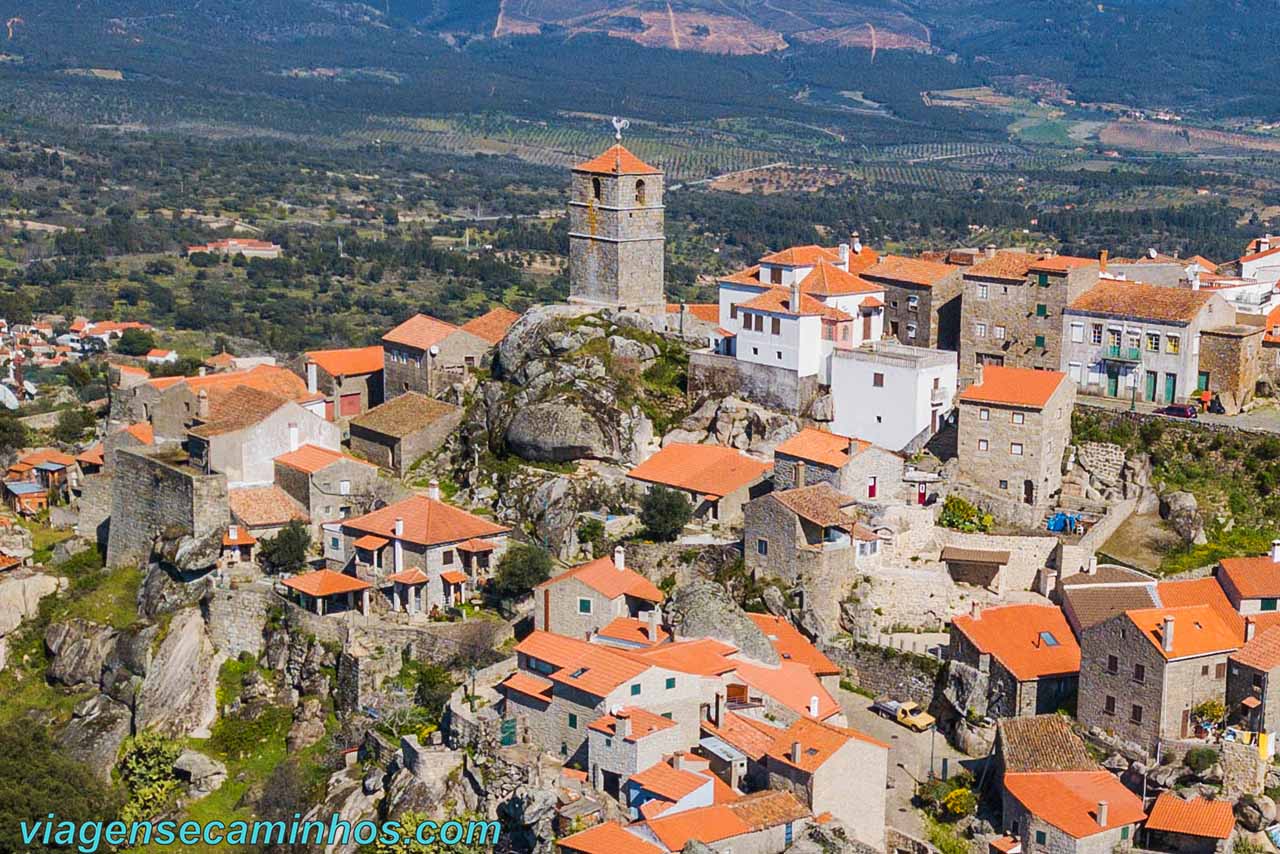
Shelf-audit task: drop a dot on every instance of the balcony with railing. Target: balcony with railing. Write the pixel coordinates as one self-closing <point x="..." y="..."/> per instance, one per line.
<point x="1117" y="353"/>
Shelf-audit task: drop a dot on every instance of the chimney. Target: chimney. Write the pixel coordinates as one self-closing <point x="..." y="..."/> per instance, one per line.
<point x="857" y="243"/>
<point x="399" y="529"/>
<point x="1249" y="629"/>
<point x="1102" y="261"/>
<point x="795" y="296"/>
<point x="620" y="558"/>
<point x="311" y="377"/>
<point x="397" y="547"/>
<point x="795" y="753"/>
<point x="233" y="532"/>
<point x="433" y="490"/>
<point x="813" y="706"/>
<point x="716" y="720"/>
<point x="1102" y="813"/>
<point x="1194" y="275"/>
<point x="977" y="374"/>
<point x="975" y="610"/>
<point x="1275" y="551"/>
<point x="1168" y="633"/>
<point x="799" y="473"/>
<point x="1093" y="565"/>
<point x="844" y="255"/>
<point x="1152" y="253"/>
<point x="624" y="724"/>
<point x="654" y="621"/>
<point x="202" y="405"/>
<point x="201" y="372"/>
<point x="989" y="251"/>
<point x="293" y="436"/>
<point x="677" y="760"/>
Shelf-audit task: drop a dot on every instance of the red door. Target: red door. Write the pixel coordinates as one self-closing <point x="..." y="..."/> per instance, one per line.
<point x="921" y="494"/>
<point x="871" y="487"/>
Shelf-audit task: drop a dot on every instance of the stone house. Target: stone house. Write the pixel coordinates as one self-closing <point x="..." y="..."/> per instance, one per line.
<point x="329" y="484"/>
<point x="854" y="467"/>
<point x="1012" y="309"/>
<point x="1030" y="657"/>
<point x="891" y="394"/>
<point x="765" y="822"/>
<point x="735" y="746"/>
<point x="1142" y="672"/>
<point x="350" y="380"/>
<point x="1070" y="812"/>
<point x="1101" y="592"/>
<point x="492" y="326"/>
<point x="717" y="479"/>
<point x="810" y="532"/>
<point x="263" y="511"/>
<point x="1038" y="743"/>
<point x="1134" y="340"/>
<point x="240" y="433"/>
<point x="922" y="300"/>
<point x="1232" y="362"/>
<point x="1014" y="427"/>
<point x="422" y="353"/>
<point x="671" y="786"/>
<point x="588" y="598"/>
<point x="580" y="682"/>
<point x="1190" y="826"/>
<point x="833" y="770"/>
<point x="1253" y="681"/>
<point x="398" y="433"/>
<point x="1252" y="584"/>
<point x="453" y="548"/>
<point x="624" y="743"/>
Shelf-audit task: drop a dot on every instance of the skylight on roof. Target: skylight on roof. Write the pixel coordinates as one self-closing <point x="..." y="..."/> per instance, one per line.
<point x="1047" y="639"/>
<point x="578" y="673"/>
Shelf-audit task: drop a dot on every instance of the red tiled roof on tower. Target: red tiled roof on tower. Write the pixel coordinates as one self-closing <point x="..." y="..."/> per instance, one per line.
<point x="617" y="160"/>
<point x="1014" y="386"/>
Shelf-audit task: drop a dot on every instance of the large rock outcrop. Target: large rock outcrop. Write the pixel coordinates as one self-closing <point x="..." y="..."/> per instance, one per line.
<point x="98" y="727"/>
<point x="78" y="650"/>
<point x="558" y="431"/>
<point x="179" y="695"/>
<point x="1182" y="512"/>
<point x="20" y="593"/>
<point x="703" y="609"/>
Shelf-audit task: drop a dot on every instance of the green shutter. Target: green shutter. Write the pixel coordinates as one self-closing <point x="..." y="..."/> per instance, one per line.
<point x="671" y="682"/>
<point x="1042" y="310"/>
<point x="1040" y="341"/>
<point x="573" y="721"/>
<point x="635" y="690"/>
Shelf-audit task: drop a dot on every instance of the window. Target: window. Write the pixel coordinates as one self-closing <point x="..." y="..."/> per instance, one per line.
<point x="762" y="547"/>
<point x="1124" y="834"/>
<point x="1172" y="344"/>
<point x="733" y="311"/>
<point x="1047" y="639"/>
<point x="1042" y="310"/>
<point x="573" y="721"/>
<point x="1076" y="370"/>
<point x="1113" y="664"/>
<point x="913" y="303"/>
<point x="980" y="330"/>
<point x="335" y="543"/>
<point x="596" y="188"/>
<point x="1043" y="279"/>
<point x="1015" y="448"/>
<point x="1204" y="670"/>
<point x="877" y="380"/>
<point x="1040" y="837"/>
<point x="1135" y="714"/>
<point x="755" y="351"/>
<point x="584" y="606"/>
<point x="1109" y="706"/>
<point x="776" y="326"/>
<point x="1268" y="604"/>
<point x="344" y="487"/>
<point x="1004" y="484"/>
<point x="447" y="557"/>
<point x="1095" y="333"/>
<point x="778" y="354"/>
<point x="640" y="195"/>
<point x="608" y="742"/>
<point x="982" y="291"/>
<point x="671" y="682"/>
<point x="984" y="414"/>
<point x="635" y="690"/>
<point x="911" y="330"/>
<point x="1018" y="417"/>
<point x="1220" y="672"/>
<point x="775" y="275"/>
<point x="759" y="322"/>
<point x="983" y="445"/>
<point x="746" y="320"/>
<point x="1153" y="342"/>
<point x="1040" y="342"/>
<point x="1077" y="333"/>
<point x="1139" y="673"/>
<point x="998" y="332"/>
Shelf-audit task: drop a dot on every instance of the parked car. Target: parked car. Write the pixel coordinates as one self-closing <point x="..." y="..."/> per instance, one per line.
<point x="908" y="714"/>
<point x="1178" y="410"/>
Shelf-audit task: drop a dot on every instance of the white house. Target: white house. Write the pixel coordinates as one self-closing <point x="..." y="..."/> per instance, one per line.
<point x="890" y="394"/>
<point x="1262" y="261"/>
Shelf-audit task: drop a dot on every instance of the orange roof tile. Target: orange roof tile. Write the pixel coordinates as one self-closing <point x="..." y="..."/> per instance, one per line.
<point x="1014" y="386"/>
<point x="453" y="576"/>
<point x="158" y="353"/>
<point x="47" y="455"/>
<point x="410" y="577"/>
<point x="604" y="577"/>
<point x="589" y="667"/>
<point x="134" y="371"/>
<point x="370" y="542"/>
<point x="617" y="160"/>
<point x="1018" y="636"/>
<point x="242" y="538"/>
<point x="348" y="361"/>
<point x="1005" y="265"/>
<point x="1258" y="256"/>
<point x="818" y="743"/>
<point x="1062" y="263"/>
<point x="643" y="723"/>
<point x="707" y="312"/>
<point x="826" y="279"/>
<point x="914" y="271"/>
<point x="1115" y="298"/>
<point x="801" y="256"/>
<point x="220" y="360"/>
<point x="1254" y="577"/>
<point x="492" y="326"/>
<point x="1068" y="800"/>
<point x="705" y="824"/>
<point x="632" y="630"/>
<point x="426" y="522"/>
<point x="819" y="446"/>
<point x="778" y="301"/>
<point x="769" y="808"/>
<point x="1207" y="591"/>
<point x="700" y="657"/>
<point x="240" y="408"/>
<point x="749" y="276"/>
<point x="143" y="432"/>
<point x="1261" y="653"/>
<point x="1197" y="630"/>
<point x="264" y="506"/>
<point x="669" y="783"/>
<point x="325" y="582"/>
<point x="529" y="685"/>
<point x="1204" y="262"/>
<point x="313" y="458"/>
<point x="94" y="456"/>
<point x="420" y="332"/>
<point x="268" y="378"/>
<point x="607" y="838"/>
<point x="793" y="646"/>
<point x="702" y="469"/>
<point x="1196" y="817"/>
<point x="791" y="684"/>
<point x="475" y="546"/>
<point x="752" y="737"/>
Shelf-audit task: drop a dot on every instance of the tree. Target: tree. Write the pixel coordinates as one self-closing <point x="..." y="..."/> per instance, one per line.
<point x="521" y="569"/>
<point x="135" y="342"/>
<point x="664" y="513"/>
<point x="147" y="770"/>
<point x="287" y="550"/>
<point x="72" y="424"/>
<point x="13" y="434"/>
<point x="36" y="776"/>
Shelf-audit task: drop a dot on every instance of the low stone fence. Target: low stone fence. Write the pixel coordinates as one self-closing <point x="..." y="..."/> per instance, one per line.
<point x="897" y="842"/>
<point x="1102" y="530"/>
<point x="885" y="670"/>
<point x="714" y="375"/>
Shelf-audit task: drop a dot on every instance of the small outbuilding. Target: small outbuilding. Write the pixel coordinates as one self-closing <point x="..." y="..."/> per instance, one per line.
<point x="397" y="433"/>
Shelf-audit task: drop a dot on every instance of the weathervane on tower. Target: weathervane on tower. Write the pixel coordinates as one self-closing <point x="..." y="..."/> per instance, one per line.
<point x="619" y="125"/>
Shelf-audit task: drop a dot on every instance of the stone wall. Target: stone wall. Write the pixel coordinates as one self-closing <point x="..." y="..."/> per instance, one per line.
<point x="1243" y="771"/>
<point x="95" y="508"/>
<point x="158" y="493"/>
<point x="1232" y="355"/>
<point x="885" y="671"/>
<point x="236" y="617"/>
<point x="713" y="375"/>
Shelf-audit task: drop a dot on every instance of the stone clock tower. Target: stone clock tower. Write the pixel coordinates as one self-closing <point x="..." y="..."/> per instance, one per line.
<point x="616" y="233"/>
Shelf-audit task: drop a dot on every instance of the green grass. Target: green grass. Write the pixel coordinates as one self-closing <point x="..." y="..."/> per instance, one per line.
<point x="1222" y="543"/>
<point x="43" y="539"/>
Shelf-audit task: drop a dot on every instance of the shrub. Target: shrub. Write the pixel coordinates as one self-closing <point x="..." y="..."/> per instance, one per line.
<point x="520" y="570"/>
<point x="287" y="550"/>
<point x="135" y="342"/>
<point x="72" y="424"/>
<point x="1200" y="759"/>
<point x="959" y="803"/>
<point x="960" y="515"/>
<point x="1212" y="711"/>
<point x="664" y="513"/>
<point x="147" y="771"/>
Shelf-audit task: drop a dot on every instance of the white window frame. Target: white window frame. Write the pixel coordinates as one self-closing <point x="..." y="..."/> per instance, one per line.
<point x="984" y="445"/>
<point x="1016" y="449"/>
<point x="984" y="414"/>
<point x="982" y="291"/>
<point x="1077" y="333"/>
<point x="998" y="332"/>
<point x="980" y="330"/>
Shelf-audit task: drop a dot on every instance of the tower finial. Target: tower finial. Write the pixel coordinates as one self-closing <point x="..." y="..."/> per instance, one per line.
<point x="619" y="125"/>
